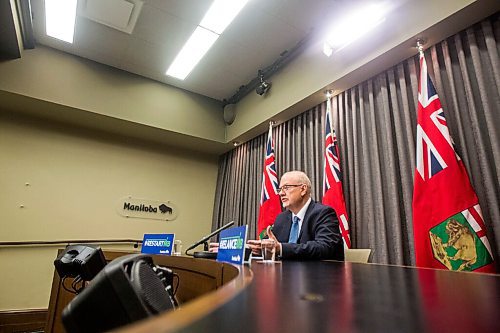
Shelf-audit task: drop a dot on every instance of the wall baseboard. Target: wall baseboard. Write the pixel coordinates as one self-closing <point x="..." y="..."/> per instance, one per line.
<point x="30" y="320"/>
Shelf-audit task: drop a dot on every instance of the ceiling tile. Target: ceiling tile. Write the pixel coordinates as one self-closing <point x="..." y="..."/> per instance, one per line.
<point x="149" y="55"/>
<point x="240" y="60"/>
<point x="157" y="26"/>
<point x="191" y="11"/>
<point x="298" y="13"/>
<point x="256" y="35"/>
<point x="90" y="35"/>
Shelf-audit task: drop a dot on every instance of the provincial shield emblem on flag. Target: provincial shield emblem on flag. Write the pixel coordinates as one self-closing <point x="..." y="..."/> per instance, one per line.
<point x="457" y="246"/>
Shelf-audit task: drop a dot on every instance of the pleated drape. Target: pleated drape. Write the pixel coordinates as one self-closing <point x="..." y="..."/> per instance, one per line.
<point x="375" y="123"/>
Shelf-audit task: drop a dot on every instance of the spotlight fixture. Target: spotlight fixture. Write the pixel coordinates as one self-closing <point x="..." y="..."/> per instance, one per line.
<point x="264" y="86"/>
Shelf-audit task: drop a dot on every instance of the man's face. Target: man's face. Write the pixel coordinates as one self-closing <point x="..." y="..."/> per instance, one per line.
<point x="292" y="193"/>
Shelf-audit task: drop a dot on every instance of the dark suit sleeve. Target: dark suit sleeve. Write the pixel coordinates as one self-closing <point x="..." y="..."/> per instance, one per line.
<point x="320" y="237"/>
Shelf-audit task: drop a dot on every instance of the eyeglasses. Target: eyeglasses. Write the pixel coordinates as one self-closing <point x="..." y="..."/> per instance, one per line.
<point x="285" y="188"/>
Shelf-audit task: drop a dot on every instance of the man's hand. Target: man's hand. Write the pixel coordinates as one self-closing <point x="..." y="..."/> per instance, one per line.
<point x="277" y="246"/>
<point x="255" y="245"/>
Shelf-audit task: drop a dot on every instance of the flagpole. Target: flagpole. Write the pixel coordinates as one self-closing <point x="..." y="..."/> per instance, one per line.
<point x="271" y="124"/>
<point x="270" y="131"/>
<point x="420" y="46"/>
<point x="329" y="94"/>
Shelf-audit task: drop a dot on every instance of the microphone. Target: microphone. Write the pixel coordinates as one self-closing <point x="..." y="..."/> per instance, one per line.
<point x="204" y="241"/>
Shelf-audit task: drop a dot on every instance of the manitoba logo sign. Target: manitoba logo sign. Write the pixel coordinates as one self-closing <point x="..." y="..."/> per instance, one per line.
<point x="147" y="209"/>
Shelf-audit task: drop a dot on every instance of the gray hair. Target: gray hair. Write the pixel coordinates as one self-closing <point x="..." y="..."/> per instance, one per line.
<point x="301" y="178"/>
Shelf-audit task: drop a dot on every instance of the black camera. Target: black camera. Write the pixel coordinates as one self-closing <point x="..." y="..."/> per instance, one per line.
<point x="80" y="260"/>
<point x="263" y="88"/>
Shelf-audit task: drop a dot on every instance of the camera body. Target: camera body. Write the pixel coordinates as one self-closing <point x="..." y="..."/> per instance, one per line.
<point x="80" y="260"/>
<point x="262" y="88"/>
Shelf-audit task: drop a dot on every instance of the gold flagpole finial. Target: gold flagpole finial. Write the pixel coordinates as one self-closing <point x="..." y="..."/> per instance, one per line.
<point x="271" y="123"/>
<point x="420" y="45"/>
<point x="328" y="94"/>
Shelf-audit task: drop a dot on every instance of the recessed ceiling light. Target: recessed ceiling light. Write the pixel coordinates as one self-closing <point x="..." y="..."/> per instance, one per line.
<point x="221" y="14"/>
<point x="217" y="18"/>
<point x="195" y="48"/>
<point x="60" y="19"/>
<point x="352" y="27"/>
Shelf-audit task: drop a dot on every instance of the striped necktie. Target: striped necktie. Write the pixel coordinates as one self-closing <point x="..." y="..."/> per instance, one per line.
<point x="294" y="231"/>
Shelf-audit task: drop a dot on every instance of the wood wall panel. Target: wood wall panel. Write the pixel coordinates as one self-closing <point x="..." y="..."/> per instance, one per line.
<point x="23" y="320"/>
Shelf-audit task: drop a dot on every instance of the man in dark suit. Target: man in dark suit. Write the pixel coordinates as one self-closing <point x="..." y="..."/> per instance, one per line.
<point x="307" y="230"/>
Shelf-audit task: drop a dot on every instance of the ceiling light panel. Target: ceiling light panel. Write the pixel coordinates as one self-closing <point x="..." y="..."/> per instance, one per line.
<point x="60" y="19"/>
<point x="191" y="53"/>
<point x="221" y="14"/>
<point x="215" y="21"/>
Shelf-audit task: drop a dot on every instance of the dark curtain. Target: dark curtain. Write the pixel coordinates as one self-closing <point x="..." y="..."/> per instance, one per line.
<point x="375" y="123"/>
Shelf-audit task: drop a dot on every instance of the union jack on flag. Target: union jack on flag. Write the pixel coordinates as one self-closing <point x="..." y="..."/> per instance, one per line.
<point x="332" y="162"/>
<point x="270" y="177"/>
<point x="448" y="226"/>
<point x="429" y="159"/>
<point x="270" y="204"/>
<point x="333" y="195"/>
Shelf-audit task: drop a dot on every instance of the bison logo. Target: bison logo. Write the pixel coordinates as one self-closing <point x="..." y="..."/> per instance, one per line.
<point x="165" y="209"/>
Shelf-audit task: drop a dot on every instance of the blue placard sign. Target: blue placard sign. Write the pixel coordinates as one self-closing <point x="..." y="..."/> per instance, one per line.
<point x="232" y="245"/>
<point x="158" y="244"/>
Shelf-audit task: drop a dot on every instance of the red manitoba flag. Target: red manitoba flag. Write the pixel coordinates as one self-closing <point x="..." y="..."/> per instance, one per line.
<point x="270" y="204"/>
<point x="333" y="195"/>
<point x="448" y="226"/>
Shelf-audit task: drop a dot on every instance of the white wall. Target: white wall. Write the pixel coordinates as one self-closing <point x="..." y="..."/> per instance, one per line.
<point x="53" y="76"/>
<point x="76" y="178"/>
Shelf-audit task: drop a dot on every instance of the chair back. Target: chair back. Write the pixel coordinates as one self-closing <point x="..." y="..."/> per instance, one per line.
<point x="357" y="255"/>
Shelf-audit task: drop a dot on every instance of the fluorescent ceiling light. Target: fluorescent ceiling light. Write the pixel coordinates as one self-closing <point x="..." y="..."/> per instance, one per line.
<point x="215" y="21"/>
<point x="195" y="48"/>
<point x="221" y="14"/>
<point x="60" y="19"/>
<point x="353" y="27"/>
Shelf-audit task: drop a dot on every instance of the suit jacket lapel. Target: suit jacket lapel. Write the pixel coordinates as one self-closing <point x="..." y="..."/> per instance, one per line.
<point x="306" y="220"/>
<point x="288" y="225"/>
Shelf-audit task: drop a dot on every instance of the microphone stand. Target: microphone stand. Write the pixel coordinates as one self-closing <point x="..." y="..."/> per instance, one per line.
<point x="205" y="253"/>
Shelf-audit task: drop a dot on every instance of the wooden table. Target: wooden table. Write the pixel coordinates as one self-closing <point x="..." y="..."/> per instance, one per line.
<point x="340" y="297"/>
